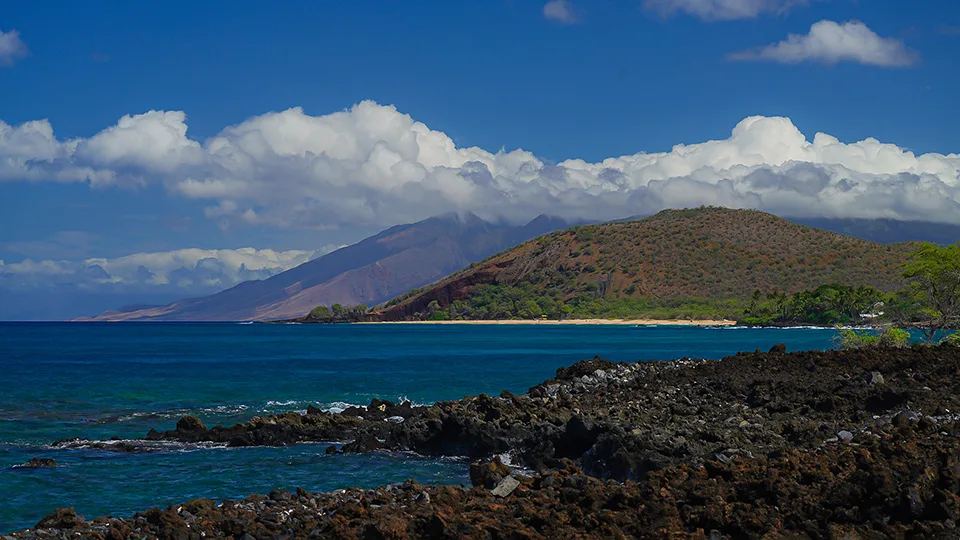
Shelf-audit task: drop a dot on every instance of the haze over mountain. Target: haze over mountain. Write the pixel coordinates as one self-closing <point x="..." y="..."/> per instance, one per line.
<point x="708" y="253"/>
<point x="369" y="272"/>
<point x="887" y="231"/>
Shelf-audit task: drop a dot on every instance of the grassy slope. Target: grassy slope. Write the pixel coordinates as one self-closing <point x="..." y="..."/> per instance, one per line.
<point x="670" y="259"/>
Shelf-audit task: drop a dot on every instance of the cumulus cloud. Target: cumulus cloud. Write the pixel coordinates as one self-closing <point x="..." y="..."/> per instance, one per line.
<point x="12" y="48"/>
<point x="830" y="42"/>
<point x="561" y="11"/>
<point x="372" y="165"/>
<point x="720" y="9"/>
<point x="192" y="270"/>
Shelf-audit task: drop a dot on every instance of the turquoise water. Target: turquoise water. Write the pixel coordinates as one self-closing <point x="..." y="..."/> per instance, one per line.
<point x="101" y="380"/>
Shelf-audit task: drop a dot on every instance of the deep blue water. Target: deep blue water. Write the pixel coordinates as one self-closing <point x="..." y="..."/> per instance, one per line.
<point x="101" y="380"/>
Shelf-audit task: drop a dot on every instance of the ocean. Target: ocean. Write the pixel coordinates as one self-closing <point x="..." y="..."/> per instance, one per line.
<point x="97" y="381"/>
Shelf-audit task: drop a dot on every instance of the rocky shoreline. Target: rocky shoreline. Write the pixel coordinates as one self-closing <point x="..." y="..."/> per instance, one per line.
<point x="808" y="444"/>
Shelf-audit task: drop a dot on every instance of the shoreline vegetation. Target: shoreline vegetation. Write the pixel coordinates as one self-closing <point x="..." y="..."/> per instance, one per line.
<point x="847" y="443"/>
<point x="547" y="322"/>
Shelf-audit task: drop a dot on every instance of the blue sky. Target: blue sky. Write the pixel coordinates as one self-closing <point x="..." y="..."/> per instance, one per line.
<point x="561" y="80"/>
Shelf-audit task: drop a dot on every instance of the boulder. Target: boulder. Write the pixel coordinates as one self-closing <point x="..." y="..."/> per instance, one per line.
<point x="505" y="487"/>
<point x="190" y="423"/>
<point x="487" y="474"/>
<point x="37" y="463"/>
<point x="63" y="518"/>
<point x="363" y="443"/>
<point x="584" y="367"/>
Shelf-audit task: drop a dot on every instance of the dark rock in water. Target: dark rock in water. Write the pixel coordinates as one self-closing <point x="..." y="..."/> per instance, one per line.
<point x="487" y="474"/>
<point x="331" y="450"/>
<point x="311" y="410"/>
<point x="63" y="518"/>
<point x="779" y="348"/>
<point x="363" y="443"/>
<point x="353" y="412"/>
<point x="37" y="463"/>
<point x="190" y="423"/>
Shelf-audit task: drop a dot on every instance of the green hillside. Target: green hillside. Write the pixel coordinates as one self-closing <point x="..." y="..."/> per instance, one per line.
<point x="695" y="262"/>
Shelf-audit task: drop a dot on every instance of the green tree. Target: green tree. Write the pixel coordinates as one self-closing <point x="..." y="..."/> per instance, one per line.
<point x="780" y="303"/>
<point x="934" y="276"/>
<point x="885" y="337"/>
<point x="321" y="313"/>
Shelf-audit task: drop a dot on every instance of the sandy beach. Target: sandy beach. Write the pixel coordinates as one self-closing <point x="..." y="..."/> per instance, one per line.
<point x="628" y="322"/>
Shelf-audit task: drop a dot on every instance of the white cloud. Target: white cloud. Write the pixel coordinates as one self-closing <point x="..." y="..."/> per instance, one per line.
<point x="190" y="269"/>
<point x="720" y="9"/>
<point x="154" y="142"/>
<point x="561" y="11"/>
<point x="372" y="165"/>
<point x="12" y="48"/>
<point x="829" y="42"/>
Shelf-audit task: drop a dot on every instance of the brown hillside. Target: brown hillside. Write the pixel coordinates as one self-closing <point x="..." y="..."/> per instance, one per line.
<point x="714" y="253"/>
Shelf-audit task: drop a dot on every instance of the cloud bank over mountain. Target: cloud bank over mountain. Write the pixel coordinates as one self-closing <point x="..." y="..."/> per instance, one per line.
<point x="373" y="165"/>
<point x="193" y="270"/>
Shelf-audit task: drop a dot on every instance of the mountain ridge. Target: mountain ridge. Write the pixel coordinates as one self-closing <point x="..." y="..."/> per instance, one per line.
<point x="371" y="271"/>
<point x="706" y="253"/>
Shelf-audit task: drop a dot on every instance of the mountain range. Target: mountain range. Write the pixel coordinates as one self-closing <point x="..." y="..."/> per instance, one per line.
<point x="369" y="272"/>
<point x="409" y="256"/>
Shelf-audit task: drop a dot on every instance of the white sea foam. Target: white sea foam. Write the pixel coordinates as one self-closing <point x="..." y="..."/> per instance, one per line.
<point x="337" y="407"/>
<point x="219" y="410"/>
<point x="801" y="327"/>
<point x="272" y="403"/>
<point x="133" y="445"/>
<point x="401" y="399"/>
<point x="506" y="458"/>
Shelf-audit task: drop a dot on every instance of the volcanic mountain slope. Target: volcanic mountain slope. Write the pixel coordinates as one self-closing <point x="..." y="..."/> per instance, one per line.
<point x="368" y="272"/>
<point x="712" y="253"/>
